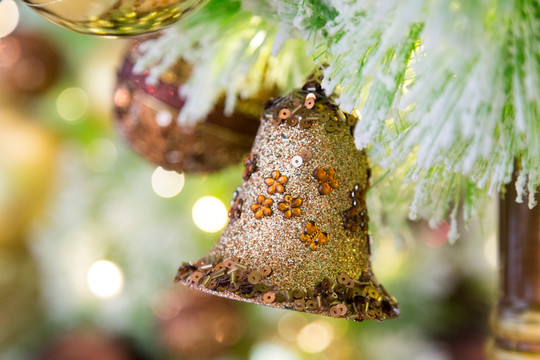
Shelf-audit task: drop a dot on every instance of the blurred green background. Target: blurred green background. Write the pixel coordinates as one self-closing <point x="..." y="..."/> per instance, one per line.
<point x="91" y="236"/>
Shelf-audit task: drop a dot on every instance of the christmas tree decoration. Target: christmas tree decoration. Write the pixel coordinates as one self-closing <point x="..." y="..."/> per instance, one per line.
<point x="114" y="18"/>
<point x="29" y="65"/>
<point x="147" y="117"/>
<point x="298" y="231"/>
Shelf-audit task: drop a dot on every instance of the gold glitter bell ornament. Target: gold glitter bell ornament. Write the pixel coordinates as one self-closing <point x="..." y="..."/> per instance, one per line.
<point x="114" y="17"/>
<point x="298" y="231"/>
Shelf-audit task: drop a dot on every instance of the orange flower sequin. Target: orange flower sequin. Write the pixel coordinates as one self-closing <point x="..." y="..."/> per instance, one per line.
<point x="262" y="207"/>
<point x="313" y="236"/>
<point x="275" y="182"/>
<point x="290" y="206"/>
<point x="327" y="180"/>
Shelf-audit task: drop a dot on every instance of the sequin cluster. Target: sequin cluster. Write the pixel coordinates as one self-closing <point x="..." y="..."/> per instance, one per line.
<point x="356" y="218"/>
<point x="315" y="108"/>
<point x="313" y="236"/>
<point x="236" y="207"/>
<point x="343" y="297"/>
<point x="250" y="166"/>
<point x="327" y="180"/>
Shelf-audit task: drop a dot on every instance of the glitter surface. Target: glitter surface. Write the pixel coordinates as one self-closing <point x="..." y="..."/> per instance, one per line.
<point x="274" y="240"/>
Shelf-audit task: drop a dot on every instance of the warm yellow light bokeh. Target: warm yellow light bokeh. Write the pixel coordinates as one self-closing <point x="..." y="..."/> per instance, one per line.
<point x="209" y="214"/>
<point x="167" y="183"/>
<point x="105" y="279"/>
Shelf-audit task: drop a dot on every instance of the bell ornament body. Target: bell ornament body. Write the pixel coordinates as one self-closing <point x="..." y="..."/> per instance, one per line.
<point x="298" y="231"/>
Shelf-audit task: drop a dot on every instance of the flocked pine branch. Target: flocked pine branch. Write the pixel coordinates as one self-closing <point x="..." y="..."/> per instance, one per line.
<point x="230" y="50"/>
<point x="453" y="86"/>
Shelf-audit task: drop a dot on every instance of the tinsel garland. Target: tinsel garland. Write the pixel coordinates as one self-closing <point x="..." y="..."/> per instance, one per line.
<point x="451" y="89"/>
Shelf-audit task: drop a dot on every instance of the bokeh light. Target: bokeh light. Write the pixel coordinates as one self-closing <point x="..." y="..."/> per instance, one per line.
<point x="164" y="118"/>
<point x="167" y="183"/>
<point x="9" y="17"/>
<point x="265" y="351"/>
<point x="72" y="104"/>
<point x="209" y="214"/>
<point x="104" y="279"/>
<point x="121" y="97"/>
<point x="315" y="337"/>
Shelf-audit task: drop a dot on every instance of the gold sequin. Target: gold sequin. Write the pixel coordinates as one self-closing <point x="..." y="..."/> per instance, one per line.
<point x="371" y="292"/>
<point x="305" y="123"/>
<point x="331" y="126"/>
<point x="284" y="114"/>
<point x="266" y="271"/>
<point x="335" y="312"/>
<point x="260" y="287"/>
<point x="213" y="284"/>
<point x="310" y="101"/>
<point x="342" y="309"/>
<point x="269" y="297"/>
<point x="324" y="117"/>
<point x="300" y="305"/>
<point x="344" y="279"/>
<point x="292" y="121"/>
<point x="228" y="263"/>
<point x="254" y="277"/>
<point x="196" y="276"/>
<point x="305" y="154"/>
<point x="297" y="294"/>
<point x="351" y="120"/>
<point x="311" y="304"/>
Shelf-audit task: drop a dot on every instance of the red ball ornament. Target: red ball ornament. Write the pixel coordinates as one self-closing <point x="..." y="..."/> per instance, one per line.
<point x="146" y="116"/>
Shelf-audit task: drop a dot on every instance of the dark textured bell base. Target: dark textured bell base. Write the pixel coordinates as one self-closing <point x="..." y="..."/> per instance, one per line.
<point x="357" y="300"/>
<point x="287" y="305"/>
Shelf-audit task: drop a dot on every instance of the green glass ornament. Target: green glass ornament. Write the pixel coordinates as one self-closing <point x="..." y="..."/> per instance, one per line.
<point x="114" y="17"/>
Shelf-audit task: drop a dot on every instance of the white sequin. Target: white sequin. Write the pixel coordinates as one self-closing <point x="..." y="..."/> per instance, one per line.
<point x="297" y="161"/>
